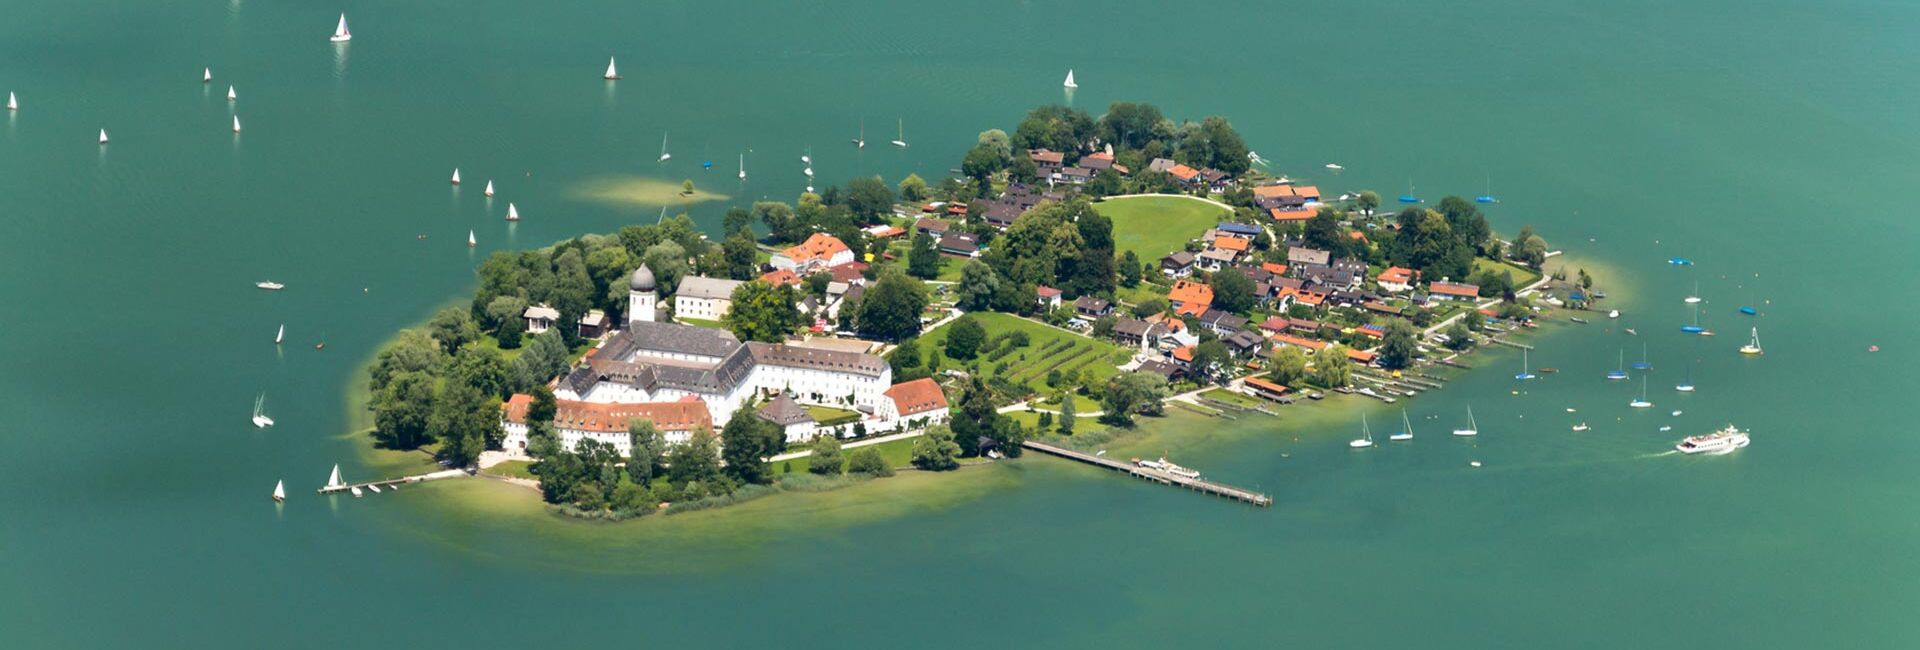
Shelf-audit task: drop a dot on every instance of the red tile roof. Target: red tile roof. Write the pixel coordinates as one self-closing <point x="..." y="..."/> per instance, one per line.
<point x="1396" y="275"/>
<point x="780" y="277"/>
<point x="610" y="418"/>
<point x="1232" y="243"/>
<point x="1455" y="289"/>
<point x="1290" y="215"/>
<point x="917" y="396"/>
<point x="821" y="246"/>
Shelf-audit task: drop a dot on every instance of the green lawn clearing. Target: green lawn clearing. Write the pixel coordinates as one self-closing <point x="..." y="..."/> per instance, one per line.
<point x="1047" y="349"/>
<point x="1153" y="226"/>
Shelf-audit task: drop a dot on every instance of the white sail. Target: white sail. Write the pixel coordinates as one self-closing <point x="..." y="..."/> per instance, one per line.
<point x="231" y="95"/>
<point x="279" y="490"/>
<point x="471" y="241"/>
<point x="456" y="176"/>
<point x="340" y="33"/>
<point x="903" y="135"/>
<point x="334" y="481"/>
<point x="664" y="156"/>
<point x="1473" y="428"/>
<point x="103" y="136"/>
<point x="489" y="191"/>
<point x="1070" y="83"/>
<point x="743" y="167"/>
<point x="206" y="75"/>
<point x="612" y="72"/>
<point x="513" y="214"/>
<point x="13" y="102"/>
<point x="236" y="124"/>
<point x="280" y="336"/>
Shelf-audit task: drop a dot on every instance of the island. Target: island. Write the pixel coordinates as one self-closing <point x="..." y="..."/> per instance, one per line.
<point x="1075" y="276"/>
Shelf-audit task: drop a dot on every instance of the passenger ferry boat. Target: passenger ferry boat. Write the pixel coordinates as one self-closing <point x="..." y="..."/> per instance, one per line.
<point x="1167" y="466"/>
<point x="1718" y="442"/>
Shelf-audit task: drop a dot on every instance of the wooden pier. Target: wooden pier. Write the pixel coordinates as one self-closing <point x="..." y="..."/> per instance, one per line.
<point x="393" y="482"/>
<point x="1163" y="478"/>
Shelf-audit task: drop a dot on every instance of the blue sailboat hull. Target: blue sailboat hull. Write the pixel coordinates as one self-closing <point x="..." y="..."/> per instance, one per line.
<point x="1409" y="198"/>
<point x="1749" y="311"/>
<point x="1692" y="329"/>
<point x="1484" y="198"/>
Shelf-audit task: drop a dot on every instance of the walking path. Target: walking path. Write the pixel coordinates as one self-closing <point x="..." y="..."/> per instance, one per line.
<point x="851" y="445"/>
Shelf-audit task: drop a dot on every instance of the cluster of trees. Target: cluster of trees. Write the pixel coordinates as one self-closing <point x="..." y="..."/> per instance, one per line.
<point x="1068" y="246"/>
<point x="976" y="418"/>
<point x="437" y="385"/>
<point x="1139" y="133"/>
<point x="889" y="309"/>
<point x="590" y="272"/>
<point x="593" y="477"/>
<point x="1131" y="394"/>
<point x="1330" y="366"/>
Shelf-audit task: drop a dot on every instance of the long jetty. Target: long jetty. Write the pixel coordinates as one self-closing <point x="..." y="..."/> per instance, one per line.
<point x="391" y="482"/>
<point x="1157" y="476"/>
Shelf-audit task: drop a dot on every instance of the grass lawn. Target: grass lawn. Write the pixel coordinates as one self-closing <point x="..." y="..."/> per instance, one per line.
<point x="829" y="416"/>
<point x="516" y="469"/>
<point x="1141" y="292"/>
<point x="950" y="267"/>
<point x="1081" y="424"/>
<point x="1153" y="226"/>
<point x="1230" y="397"/>
<point x="1522" y="276"/>
<point x="700" y="322"/>
<point x="898" y="453"/>
<point x="1047" y="349"/>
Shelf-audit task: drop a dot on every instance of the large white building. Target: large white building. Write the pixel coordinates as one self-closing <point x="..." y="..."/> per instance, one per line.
<point x="703" y="297"/>
<point x="575" y="421"/>
<point x="818" y="253"/>
<point x="652" y="361"/>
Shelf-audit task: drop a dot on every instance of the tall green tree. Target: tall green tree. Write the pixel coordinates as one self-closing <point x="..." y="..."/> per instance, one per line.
<point x="411" y="351"/>
<point x="935" y="450"/>
<point x="545" y="357"/>
<point x="1399" y="347"/>
<point x="1066" y="413"/>
<point x="1211" y="359"/>
<point x="1133" y="393"/>
<point x="964" y="337"/>
<point x="890" y="309"/>
<point x="978" y="284"/>
<point x="1368" y="201"/>
<point x="483" y="369"/>
<point x="741" y="256"/>
<point x="465" y="421"/>
<point x="869" y="198"/>
<point x="827" y="457"/>
<point x="867" y="460"/>
<point x="401" y="411"/>
<point x="746" y="443"/>
<point x="1233" y="291"/>
<point x="913" y="188"/>
<point x="1331" y="368"/>
<point x="453" y="327"/>
<point x="647" y="450"/>
<point x="976" y="418"/>
<point x="923" y="257"/>
<point x="763" y="312"/>
<point x="1130" y="269"/>
<point x="697" y="459"/>
<point x="1289" y="366"/>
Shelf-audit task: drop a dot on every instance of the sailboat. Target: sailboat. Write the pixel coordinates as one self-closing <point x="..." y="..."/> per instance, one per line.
<point x="1473" y="428"/>
<point x="743" y="167"/>
<point x="903" y="135"/>
<point x="1409" y="197"/>
<point x="1695" y="328"/>
<point x="1642" y="364"/>
<point x="1488" y="197"/>
<point x="1621" y="372"/>
<point x="861" y="142"/>
<point x="279" y="491"/>
<point x="1686" y="385"/>
<point x="375" y="488"/>
<point x="1526" y="366"/>
<point x="13" y="102"/>
<point x="1070" y="83"/>
<point x="489" y="190"/>
<point x="236" y="124"/>
<point x="260" y="418"/>
<point x="103" y="136"/>
<point x="1641" y="401"/>
<point x="456" y="176"/>
<point x="1366" y="435"/>
<point x="471" y="241"/>
<point x="1405" y="433"/>
<point x="206" y="75"/>
<point x="512" y="213"/>
<point x="281" y="335"/>
<point x="333" y="481"/>
<point x="664" y="156"/>
<point x="612" y="74"/>
<point x="340" y="33"/>
<point x="1695" y="298"/>
<point x="231" y="95"/>
<point x="1753" y="346"/>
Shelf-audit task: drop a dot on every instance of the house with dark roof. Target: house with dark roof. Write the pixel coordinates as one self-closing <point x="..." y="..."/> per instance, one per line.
<point x="1164" y="369"/>
<point x="1244" y="343"/>
<point x="1220" y="322"/>
<point x="934" y="228"/>
<point x="1137" y="333"/>
<point x="1298" y="256"/>
<point x="1178" y="264"/>
<point x="792" y="418"/>
<point x="1091" y="307"/>
<point x="961" y="244"/>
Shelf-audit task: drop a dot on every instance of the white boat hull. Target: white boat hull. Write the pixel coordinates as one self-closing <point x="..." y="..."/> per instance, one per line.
<point x="1466" y="432"/>
<point x="1360" y="444"/>
<point x="1400" y="437"/>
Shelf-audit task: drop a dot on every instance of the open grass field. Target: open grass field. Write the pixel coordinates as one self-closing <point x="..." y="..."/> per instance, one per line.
<point x="1047" y="349"/>
<point x="1522" y="276"/>
<point x="898" y="453"/>
<point x="1153" y="226"/>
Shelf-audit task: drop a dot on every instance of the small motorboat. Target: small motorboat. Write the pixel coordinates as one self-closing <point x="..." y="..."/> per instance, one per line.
<point x="1613" y="313"/>
<point x="1668" y="427"/>
<point x="1578" y="319"/>
<point x="1580" y="427"/>
<point x="356" y="492"/>
<point x="375" y="488"/>
<point x="1680" y="261"/>
<point x="1473" y="463"/>
<point x="269" y="285"/>
<point x="1335" y="166"/>
<point x="1677" y="413"/>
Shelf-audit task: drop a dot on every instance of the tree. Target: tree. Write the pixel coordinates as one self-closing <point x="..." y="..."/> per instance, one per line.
<point x="976" y="417"/>
<point x="923" y="257"/>
<point x="465" y="421"/>
<point x="1331" y="368"/>
<point x="483" y="369"/>
<point x="867" y="460"/>
<point x="411" y="351"/>
<point x="905" y="358"/>
<point x="1067" y="419"/>
<point x="668" y="261"/>
<point x="1131" y="393"/>
<point x="782" y="225"/>
<point x="1211" y="359"/>
<point x="1586" y="281"/>
<point x="997" y="141"/>
<point x="1103" y="326"/>
<point x="646" y="450"/>
<point x="740" y="256"/>
<point x="401" y="411"/>
<point x="1530" y="249"/>
<point x="1324" y="232"/>
<point x="978" y="282"/>
<point x="1151" y="306"/>
<point x="913" y="188"/>
<point x="697" y="459"/>
<point x="505" y="309"/>
<point x="935" y="450"/>
<point x="631" y="496"/>
<point x="747" y="442"/>
<point x="1289" y="365"/>
<point x="890" y="309"/>
<point x="1129" y="269"/>
<point x="1368" y="201"/>
<point x="964" y="337"/>
<point x="762" y="312"/>
<point x="686" y="186"/>
<point x="736" y="219"/>
<point x="1459" y="336"/>
<point x="1399" y="348"/>
<point x="1232" y="291"/>
<point x="981" y="163"/>
<point x="869" y="198"/>
<point x="827" y="458"/>
<point x="544" y="357"/>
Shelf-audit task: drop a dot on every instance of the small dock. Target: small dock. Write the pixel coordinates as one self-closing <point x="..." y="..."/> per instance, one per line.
<point x="1163" y="478"/>
<point x="392" y="482"/>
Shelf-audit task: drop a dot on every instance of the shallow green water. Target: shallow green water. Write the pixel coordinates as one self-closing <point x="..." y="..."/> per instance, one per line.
<point x="1757" y="138"/>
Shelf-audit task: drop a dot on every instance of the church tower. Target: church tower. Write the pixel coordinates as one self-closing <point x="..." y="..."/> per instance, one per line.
<point x="642" y="299"/>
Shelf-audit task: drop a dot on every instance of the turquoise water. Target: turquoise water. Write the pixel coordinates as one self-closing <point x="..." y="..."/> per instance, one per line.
<point x="1772" y="139"/>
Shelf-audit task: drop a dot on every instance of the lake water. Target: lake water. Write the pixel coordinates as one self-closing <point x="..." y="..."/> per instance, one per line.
<point x="1770" y="142"/>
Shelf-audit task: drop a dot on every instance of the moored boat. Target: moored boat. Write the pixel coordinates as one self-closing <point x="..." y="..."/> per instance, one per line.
<point x="1473" y="428"/>
<point x="269" y="285"/>
<point x="1752" y="346"/>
